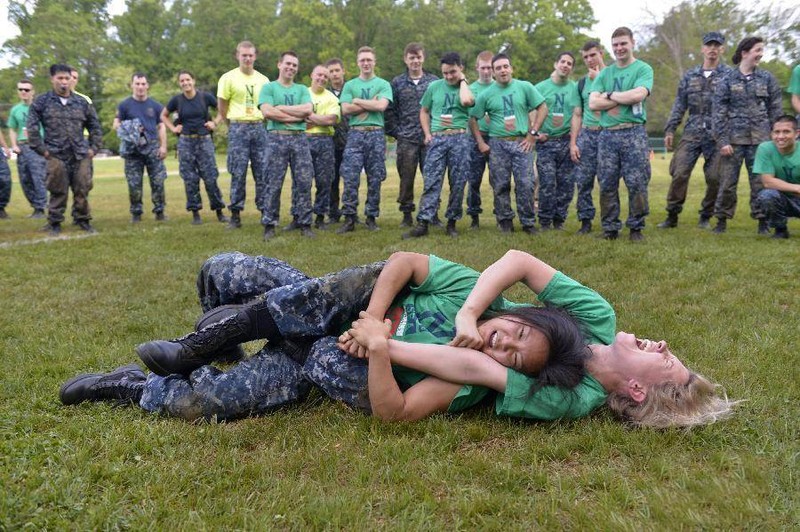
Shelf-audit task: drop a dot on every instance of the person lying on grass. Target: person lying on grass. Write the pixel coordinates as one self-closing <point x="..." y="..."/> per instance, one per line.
<point x="422" y="293"/>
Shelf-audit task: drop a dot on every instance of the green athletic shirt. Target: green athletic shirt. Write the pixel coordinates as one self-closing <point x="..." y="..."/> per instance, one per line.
<point x="794" y="84"/>
<point x="598" y="322"/>
<point x="770" y="161"/>
<point x="477" y="88"/>
<point x="615" y="79"/>
<point x="366" y="90"/>
<point x="590" y="118"/>
<point x="426" y="315"/>
<point x="561" y="99"/>
<point x="508" y="107"/>
<point x="17" y="119"/>
<point x="276" y="94"/>
<point x="444" y="104"/>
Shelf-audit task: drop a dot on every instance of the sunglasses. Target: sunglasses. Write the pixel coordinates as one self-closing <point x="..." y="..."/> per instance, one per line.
<point x="23" y="89"/>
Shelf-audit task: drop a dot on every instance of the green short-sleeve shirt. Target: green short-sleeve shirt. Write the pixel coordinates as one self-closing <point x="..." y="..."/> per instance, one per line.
<point x="590" y="118"/>
<point x="615" y="79"/>
<point x="561" y="100"/>
<point x="276" y="94"/>
<point x="508" y="107"/>
<point x="598" y="321"/>
<point x="443" y="102"/>
<point x="772" y="162"/>
<point x="477" y="88"/>
<point x="371" y="89"/>
<point x="794" y="84"/>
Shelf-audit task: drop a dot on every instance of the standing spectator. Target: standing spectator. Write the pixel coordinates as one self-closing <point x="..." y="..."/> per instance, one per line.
<point x="5" y="176"/>
<point x="620" y="92"/>
<point x="794" y="89"/>
<point x="516" y="111"/>
<point x="143" y="144"/>
<point x="778" y="164"/>
<point x="557" y="140"/>
<point x="196" y="157"/>
<point x="62" y="116"/>
<point x="237" y="94"/>
<point x="336" y="76"/>
<point x="402" y="123"/>
<point x="320" y="131"/>
<point x="30" y="165"/>
<point x="695" y="94"/>
<point x="364" y="99"/>
<point x="477" y="160"/>
<point x="746" y="103"/>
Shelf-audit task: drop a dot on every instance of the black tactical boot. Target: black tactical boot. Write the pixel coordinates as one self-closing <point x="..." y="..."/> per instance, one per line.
<point x="763" y="227"/>
<point x="235" y="221"/>
<point x="196" y="220"/>
<point x="476" y="222"/>
<point x="221" y="217"/>
<point x="124" y="385"/>
<point x="703" y="222"/>
<point x="371" y="224"/>
<point x="319" y="222"/>
<point x="160" y="216"/>
<point x="781" y="233"/>
<point x="408" y="221"/>
<point x="506" y="226"/>
<point x="636" y="235"/>
<point x="450" y="230"/>
<point x="670" y="222"/>
<point x="227" y="353"/>
<point x="586" y="227"/>
<point x="348" y="226"/>
<point x="721" y="227"/>
<point x="420" y="230"/>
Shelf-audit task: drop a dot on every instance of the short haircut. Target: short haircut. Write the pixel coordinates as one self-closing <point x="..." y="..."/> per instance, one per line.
<point x="787" y="118"/>
<point x="745" y="45"/>
<point x="588" y="45"/>
<point x="291" y="53"/>
<point x="25" y="80"/>
<point x="246" y="44"/>
<point x="485" y="55"/>
<point x="182" y="72"/>
<point x="498" y="57"/>
<point x="413" y="48"/>
<point x="319" y="65"/>
<point x="334" y="61"/>
<point x="365" y="49"/>
<point x="139" y="75"/>
<point x="452" y="58"/>
<point x="562" y="54"/>
<point x="58" y="68"/>
<point x="622" y="31"/>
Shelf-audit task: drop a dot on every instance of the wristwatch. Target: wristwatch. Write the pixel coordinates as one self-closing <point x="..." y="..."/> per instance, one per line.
<point x="534" y="133"/>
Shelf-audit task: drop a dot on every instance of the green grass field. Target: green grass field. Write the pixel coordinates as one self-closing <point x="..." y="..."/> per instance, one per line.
<point x="729" y="306"/>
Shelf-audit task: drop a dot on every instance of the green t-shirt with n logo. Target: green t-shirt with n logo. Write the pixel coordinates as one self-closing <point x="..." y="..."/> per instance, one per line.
<point x="444" y="104"/>
<point x="372" y="89"/>
<point x="276" y="94"/>
<point x="508" y="107"/>
<point x="615" y="79"/>
<point x="561" y="100"/>
<point x="772" y="162"/>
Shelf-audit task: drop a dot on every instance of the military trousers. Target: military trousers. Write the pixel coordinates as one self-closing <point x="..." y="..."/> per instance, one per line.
<point x="135" y="165"/>
<point x="63" y="175"/>
<point x="477" y="166"/>
<point x="5" y="181"/>
<point x="623" y="153"/>
<point x="730" y="166"/>
<point x="445" y="153"/>
<point x="365" y="150"/>
<point x="197" y="161"/>
<point x="288" y="151"/>
<point x="778" y="206"/>
<point x="323" y="159"/>
<point x="247" y="144"/>
<point x="31" y="168"/>
<point x="585" y="172"/>
<point x="554" y="168"/>
<point x="507" y="158"/>
<point x="410" y="156"/>
<point x="680" y="168"/>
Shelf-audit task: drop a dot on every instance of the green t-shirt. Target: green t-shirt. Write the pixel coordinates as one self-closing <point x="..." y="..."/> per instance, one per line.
<point x="794" y="84"/>
<point x="372" y="89"/>
<point x="17" y="119"/>
<point x="590" y="118"/>
<point x="615" y="79"/>
<point x="508" y="107"/>
<point x="444" y="104"/>
<point x="477" y="88"/>
<point x="770" y="161"/>
<point x="561" y="99"/>
<point x="426" y="315"/>
<point x="598" y="321"/>
<point x="276" y="94"/>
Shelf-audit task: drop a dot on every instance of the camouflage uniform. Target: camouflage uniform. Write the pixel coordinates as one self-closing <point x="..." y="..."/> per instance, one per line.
<point x="323" y="159"/>
<point x="68" y="165"/>
<point x="402" y="123"/>
<point x="307" y="311"/>
<point x="365" y="149"/>
<point x="477" y="166"/>
<point x="445" y="153"/>
<point x="31" y="168"/>
<point x="507" y="157"/>
<point x="339" y="142"/>
<point x="196" y="161"/>
<point x="247" y="143"/>
<point x="554" y="167"/>
<point x="778" y="206"/>
<point x="288" y="150"/>
<point x="744" y="110"/>
<point x="135" y="163"/>
<point x="626" y="153"/>
<point x="585" y="171"/>
<point x="5" y="180"/>
<point x="695" y="94"/>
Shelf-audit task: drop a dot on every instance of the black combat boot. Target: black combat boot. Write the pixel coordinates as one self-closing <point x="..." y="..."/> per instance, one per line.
<point x="610" y="235"/>
<point x="506" y="226"/>
<point x="348" y="226"/>
<point x="636" y="235"/>
<point x="185" y="354"/>
<point x="586" y="227"/>
<point x="703" y="222"/>
<point x="319" y="222"/>
<point x="670" y="222"/>
<point x="160" y="216"/>
<point x="235" y="221"/>
<point x="371" y="224"/>
<point x="408" y="221"/>
<point x="231" y="352"/>
<point x="124" y="385"/>
<point x="781" y="233"/>
<point x="450" y="230"/>
<point x="476" y="222"/>
<point x="37" y="213"/>
<point x="196" y="220"/>
<point x="221" y="217"/>
<point x="530" y="229"/>
<point x="721" y="227"/>
<point x="420" y="230"/>
<point x="763" y="227"/>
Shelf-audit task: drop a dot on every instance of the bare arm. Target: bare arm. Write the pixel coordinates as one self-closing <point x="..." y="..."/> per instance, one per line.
<point x="599" y="102"/>
<point x="298" y="111"/>
<point x="162" y="140"/>
<point x="476" y="132"/>
<point x="796" y="103"/>
<point x="167" y="121"/>
<point x="222" y="109"/>
<point x="349" y="108"/>
<point x="401" y="269"/>
<point x="775" y="183"/>
<point x="465" y="94"/>
<point x="12" y="136"/>
<point x="271" y="112"/>
<point x="574" y="131"/>
<point x="425" y="122"/>
<point x="377" y="105"/>
<point x="629" y="97"/>
<point x="322" y="120"/>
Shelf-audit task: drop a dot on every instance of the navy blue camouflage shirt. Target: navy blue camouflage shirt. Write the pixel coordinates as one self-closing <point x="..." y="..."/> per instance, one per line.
<point x="695" y="94"/>
<point x="745" y="107"/>
<point x="63" y="125"/>
<point x="402" y="115"/>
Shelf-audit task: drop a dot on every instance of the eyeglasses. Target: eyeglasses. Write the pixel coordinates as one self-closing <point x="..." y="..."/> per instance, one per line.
<point x="23" y="89"/>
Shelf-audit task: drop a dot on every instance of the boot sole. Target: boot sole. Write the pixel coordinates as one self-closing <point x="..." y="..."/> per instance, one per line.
<point x="70" y="394"/>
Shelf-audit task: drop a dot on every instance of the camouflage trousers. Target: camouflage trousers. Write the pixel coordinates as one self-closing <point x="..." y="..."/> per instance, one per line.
<point x="448" y="153"/>
<point x="554" y="167"/>
<point x="31" y="168"/>
<point x="584" y="172"/>
<point x="309" y="313"/>
<point x="247" y="143"/>
<point x="410" y="156"/>
<point x="506" y="158"/>
<point x="367" y="150"/>
<point x="323" y="160"/>
<point x="778" y="206"/>
<point x="288" y="151"/>
<point x="680" y="168"/>
<point x="63" y="175"/>
<point x="196" y="161"/>
<point x="335" y="211"/>
<point x="730" y="166"/>
<point x="5" y="180"/>
<point x="477" y="166"/>
<point x="135" y="165"/>
<point x="623" y="153"/>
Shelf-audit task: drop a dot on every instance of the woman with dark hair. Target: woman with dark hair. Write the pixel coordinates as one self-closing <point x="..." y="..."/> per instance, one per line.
<point x="746" y="103"/>
<point x="196" y="159"/>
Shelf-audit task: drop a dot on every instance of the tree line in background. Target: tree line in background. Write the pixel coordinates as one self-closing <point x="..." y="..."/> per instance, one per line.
<point x="159" y="38"/>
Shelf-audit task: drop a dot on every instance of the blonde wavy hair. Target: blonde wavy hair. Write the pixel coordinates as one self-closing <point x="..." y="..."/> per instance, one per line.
<point x="698" y="402"/>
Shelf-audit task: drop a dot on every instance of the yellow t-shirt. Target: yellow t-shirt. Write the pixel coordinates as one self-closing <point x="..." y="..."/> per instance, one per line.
<point x="325" y="103"/>
<point x="241" y="91"/>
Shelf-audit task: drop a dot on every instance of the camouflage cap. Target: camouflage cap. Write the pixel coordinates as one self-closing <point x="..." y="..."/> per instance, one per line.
<point x="713" y="36"/>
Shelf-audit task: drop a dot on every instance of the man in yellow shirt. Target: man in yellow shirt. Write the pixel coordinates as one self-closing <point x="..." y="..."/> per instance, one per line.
<point x="237" y="96"/>
<point x="319" y="129"/>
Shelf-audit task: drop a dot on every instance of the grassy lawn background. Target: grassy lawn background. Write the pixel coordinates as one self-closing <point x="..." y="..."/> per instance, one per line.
<point x="729" y="306"/>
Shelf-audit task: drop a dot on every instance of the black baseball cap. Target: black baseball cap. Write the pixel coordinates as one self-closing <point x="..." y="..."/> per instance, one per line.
<point x="713" y="36"/>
